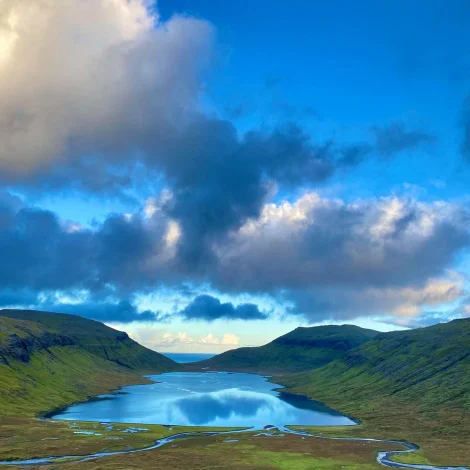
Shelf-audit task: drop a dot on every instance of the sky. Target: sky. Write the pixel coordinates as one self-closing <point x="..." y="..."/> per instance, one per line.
<point x="208" y="175"/>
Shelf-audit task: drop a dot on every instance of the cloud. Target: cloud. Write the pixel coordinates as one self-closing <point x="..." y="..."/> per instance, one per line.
<point x="21" y="297"/>
<point x="314" y="241"/>
<point x="115" y="103"/>
<point x="155" y="337"/>
<point x="395" y="138"/>
<point x="208" y="308"/>
<point x="399" y="305"/>
<point x="177" y="338"/>
<point x="209" y="339"/>
<point x="326" y="256"/>
<point x="107" y="311"/>
<point x="85" y="78"/>
<point x="228" y="339"/>
<point x="45" y="253"/>
<point x="228" y="178"/>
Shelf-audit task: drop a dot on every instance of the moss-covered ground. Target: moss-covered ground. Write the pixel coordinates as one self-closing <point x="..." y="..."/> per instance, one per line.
<point x="28" y="439"/>
<point x="443" y="434"/>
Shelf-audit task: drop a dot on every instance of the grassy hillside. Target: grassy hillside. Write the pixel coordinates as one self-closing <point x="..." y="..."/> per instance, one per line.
<point x="412" y="384"/>
<point x="98" y="339"/>
<point x="430" y="364"/>
<point x="301" y="349"/>
<point x="63" y="359"/>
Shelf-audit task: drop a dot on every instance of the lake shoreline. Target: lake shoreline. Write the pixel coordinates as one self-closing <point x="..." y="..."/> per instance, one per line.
<point x="283" y="391"/>
<point x="383" y="457"/>
<point x="204" y="399"/>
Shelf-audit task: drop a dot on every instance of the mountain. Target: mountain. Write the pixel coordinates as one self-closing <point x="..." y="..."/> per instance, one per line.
<point x="412" y="385"/>
<point x="429" y="364"/>
<point x="301" y="349"/>
<point x="58" y="359"/>
<point x="98" y="339"/>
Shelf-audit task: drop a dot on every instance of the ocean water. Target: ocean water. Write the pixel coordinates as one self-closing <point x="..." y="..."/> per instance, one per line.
<point x="184" y="358"/>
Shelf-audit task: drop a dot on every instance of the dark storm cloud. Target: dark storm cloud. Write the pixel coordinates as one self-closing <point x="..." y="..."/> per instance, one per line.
<point x="43" y="253"/>
<point x="326" y="256"/>
<point x="395" y="138"/>
<point x="21" y="297"/>
<point x="399" y="242"/>
<point x="227" y="178"/>
<point x="208" y="308"/>
<point x="101" y="309"/>
<point x="38" y="252"/>
<point x="120" y="312"/>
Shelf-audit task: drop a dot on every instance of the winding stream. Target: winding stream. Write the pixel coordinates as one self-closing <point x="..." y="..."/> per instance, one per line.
<point x="216" y="400"/>
<point x="383" y="457"/>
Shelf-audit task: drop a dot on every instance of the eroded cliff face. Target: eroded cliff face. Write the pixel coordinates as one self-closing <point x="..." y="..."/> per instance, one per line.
<point x="49" y="360"/>
<point x="38" y="330"/>
<point x="20" y="348"/>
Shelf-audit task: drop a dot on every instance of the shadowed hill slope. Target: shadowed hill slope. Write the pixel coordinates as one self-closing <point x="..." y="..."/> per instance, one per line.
<point x="301" y="349"/>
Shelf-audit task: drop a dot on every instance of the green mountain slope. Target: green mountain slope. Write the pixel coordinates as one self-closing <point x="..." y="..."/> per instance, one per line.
<point x="63" y="359"/>
<point x="301" y="349"/>
<point x="430" y="364"/>
<point x="98" y="339"/>
<point x="412" y="385"/>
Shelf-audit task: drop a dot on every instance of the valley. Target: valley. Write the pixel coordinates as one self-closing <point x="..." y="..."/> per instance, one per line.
<point x="411" y="386"/>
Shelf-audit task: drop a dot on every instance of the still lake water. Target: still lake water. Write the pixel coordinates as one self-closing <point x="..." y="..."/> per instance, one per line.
<point x="205" y="399"/>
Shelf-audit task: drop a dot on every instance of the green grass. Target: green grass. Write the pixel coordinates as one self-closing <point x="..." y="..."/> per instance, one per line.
<point x="301" y="349"/>
<point x="55" y="378"/>
<point x="60" y="359"/>
<point x="22" y="438"/>
<point x="249" y="452"/>
<point x="412" y="385"/>
<point x="413" y="458"/>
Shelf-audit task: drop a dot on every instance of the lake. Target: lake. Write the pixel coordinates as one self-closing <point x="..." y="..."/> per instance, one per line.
<point x="205" y="399"/>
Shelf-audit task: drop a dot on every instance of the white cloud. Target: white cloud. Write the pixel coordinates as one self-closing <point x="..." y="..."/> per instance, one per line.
<point x="209" y="339"/>
<point x="83" y="72"/>
<point x="230" y="339"/>
<point x="320" y="241"/>
<point x="332" y="258"/>
<point x="160" y="339"/>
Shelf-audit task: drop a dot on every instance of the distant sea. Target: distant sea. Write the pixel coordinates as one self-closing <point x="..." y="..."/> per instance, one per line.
<point x="184" y="358"/>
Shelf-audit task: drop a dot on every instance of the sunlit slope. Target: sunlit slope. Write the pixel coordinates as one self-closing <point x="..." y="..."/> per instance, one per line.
<point x="43" y="368"/>
<point x="429" y="366"/>
<point x="98" y="339"/>
<point x="301" y="349"/>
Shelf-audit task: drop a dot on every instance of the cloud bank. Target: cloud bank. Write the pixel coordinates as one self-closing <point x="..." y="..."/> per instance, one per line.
<point x="328" y="257"/>
<point x="103" y="97"/>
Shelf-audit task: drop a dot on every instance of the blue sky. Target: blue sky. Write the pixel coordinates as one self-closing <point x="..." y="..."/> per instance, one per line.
<point x="210" y="174"/>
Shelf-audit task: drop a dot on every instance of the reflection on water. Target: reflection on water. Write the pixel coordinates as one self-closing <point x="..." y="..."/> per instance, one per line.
<point x="206" y="399"/>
